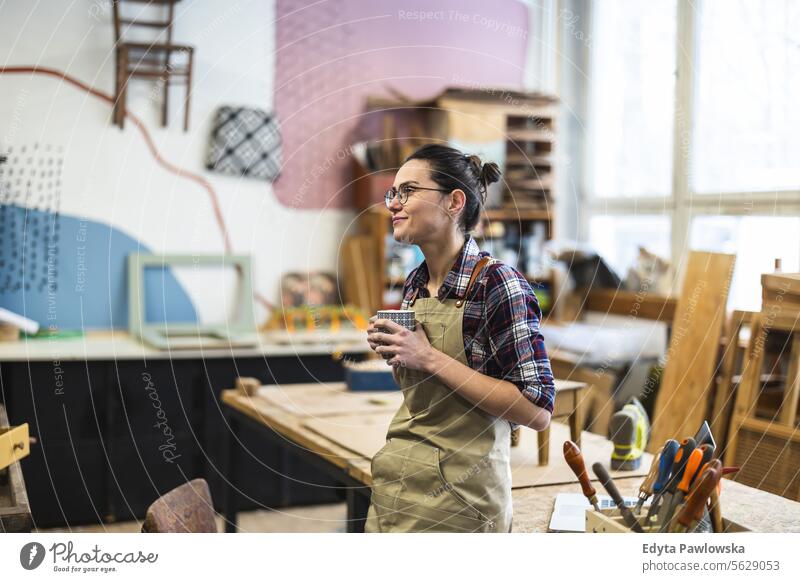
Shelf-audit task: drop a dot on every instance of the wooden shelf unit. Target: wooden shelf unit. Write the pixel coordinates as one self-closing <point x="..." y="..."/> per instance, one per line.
<point x="525" y="126"/>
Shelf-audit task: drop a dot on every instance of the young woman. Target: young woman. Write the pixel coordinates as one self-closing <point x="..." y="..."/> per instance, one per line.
<point x="474" y="366"/>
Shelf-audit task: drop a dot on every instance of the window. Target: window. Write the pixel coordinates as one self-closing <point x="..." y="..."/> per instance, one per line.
<point x="720" y="76"/>
<point x="617" y="238"/>
<point x="756" y="241"/>
<point x="632" y="86"/>
<point x="747" y="95"/>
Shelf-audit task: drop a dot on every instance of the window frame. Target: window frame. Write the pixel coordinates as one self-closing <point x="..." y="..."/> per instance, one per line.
<point x="683" y="204"/>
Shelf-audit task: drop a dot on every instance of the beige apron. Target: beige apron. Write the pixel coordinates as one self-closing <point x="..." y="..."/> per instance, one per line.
<point x="445" y="466"/>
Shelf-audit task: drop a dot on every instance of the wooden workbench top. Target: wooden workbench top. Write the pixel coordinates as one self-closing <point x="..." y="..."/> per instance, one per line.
<point x="533" y="505"/>
<point x="119" y="345"/>
<point x="754" y="509"/>
<point x="347" y="428"/>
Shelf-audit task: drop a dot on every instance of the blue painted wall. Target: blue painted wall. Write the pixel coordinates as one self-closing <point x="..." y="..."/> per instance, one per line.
<point x="71" y="273"/>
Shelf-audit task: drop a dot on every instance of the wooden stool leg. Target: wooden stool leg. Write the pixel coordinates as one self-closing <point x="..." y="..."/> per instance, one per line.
<point x="544" y="446"/>
<point x="576" y="420"/>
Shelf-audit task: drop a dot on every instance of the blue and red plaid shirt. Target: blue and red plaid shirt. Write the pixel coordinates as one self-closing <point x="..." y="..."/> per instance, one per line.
<point x="500" y="325"/>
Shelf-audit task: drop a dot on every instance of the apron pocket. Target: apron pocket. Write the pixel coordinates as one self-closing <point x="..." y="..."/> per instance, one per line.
<point x="409" y="492"/>
<point x="404" y="515"/>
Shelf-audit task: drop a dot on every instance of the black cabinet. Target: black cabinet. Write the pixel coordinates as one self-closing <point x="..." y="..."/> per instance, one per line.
<point x="114" y="436"/>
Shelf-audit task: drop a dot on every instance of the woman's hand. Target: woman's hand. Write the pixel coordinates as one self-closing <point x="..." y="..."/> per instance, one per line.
<point x="403" y="347"/>
<point x="371" y="330"/>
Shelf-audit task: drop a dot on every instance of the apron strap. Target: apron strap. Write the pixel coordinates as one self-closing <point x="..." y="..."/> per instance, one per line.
<point x="413" y="297"/>
<point x="475" y="272"/>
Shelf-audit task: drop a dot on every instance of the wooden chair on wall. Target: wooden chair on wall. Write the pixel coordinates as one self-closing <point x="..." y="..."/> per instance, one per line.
<point x="160" y="60"/>
<point x="185" y="509"/>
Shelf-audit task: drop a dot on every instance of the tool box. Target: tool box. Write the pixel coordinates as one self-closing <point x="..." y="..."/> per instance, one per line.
<point x="369" y="375"/>
<point x="610" y="521"/>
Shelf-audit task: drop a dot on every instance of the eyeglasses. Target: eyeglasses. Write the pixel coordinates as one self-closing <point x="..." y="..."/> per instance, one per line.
<point x="403" y="193"/>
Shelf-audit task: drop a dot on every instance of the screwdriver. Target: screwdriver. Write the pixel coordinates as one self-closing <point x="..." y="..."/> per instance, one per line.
<point x="609" y="485"/>
<point x="692" y="511"/>
<point x="664" y="466"/>
<point x="574" y="458"/>
<point x="678" y="465"/>
<point x="646" y="488"/>
<point x="689" y="472"/>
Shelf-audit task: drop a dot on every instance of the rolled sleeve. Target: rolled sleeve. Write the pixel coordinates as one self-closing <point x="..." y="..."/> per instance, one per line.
<point x="512" y="316"/>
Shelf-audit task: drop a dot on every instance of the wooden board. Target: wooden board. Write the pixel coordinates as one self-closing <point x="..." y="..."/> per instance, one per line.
<point x="365" y="437"/>
<point x="315" y="400"/>
<point x="686" y="388"/>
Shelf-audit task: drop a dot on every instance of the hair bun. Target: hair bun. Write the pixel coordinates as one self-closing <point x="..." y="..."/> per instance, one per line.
<point x="490" y="173"/>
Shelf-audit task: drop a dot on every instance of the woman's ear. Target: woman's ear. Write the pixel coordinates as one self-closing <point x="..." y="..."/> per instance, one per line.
<point x="457" y="201"/>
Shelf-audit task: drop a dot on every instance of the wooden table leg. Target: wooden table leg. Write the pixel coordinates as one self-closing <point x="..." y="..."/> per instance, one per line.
<point x="576" y="419"/>
<point x="544" y="446"/>
<point x="357" y="508"/>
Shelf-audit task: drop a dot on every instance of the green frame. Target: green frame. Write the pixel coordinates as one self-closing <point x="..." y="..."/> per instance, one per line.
<point x="158" y="334"/>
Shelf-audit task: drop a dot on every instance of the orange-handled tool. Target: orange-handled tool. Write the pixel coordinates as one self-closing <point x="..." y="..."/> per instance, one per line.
<point x="692" y="511"/>
<point x="689" y="472"/>
<point x="574" y="458"/>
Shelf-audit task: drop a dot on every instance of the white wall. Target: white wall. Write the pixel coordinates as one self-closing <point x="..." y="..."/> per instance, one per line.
<point x="110" y="176"/>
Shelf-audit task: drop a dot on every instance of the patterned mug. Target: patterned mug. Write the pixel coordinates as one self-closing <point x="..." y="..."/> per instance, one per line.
<point x="404" y="317"/>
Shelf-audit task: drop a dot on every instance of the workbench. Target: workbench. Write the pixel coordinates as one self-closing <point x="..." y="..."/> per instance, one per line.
<point x="284" y="416"/>
<point x="94" y="402"/>
<point x="338" y="432"/>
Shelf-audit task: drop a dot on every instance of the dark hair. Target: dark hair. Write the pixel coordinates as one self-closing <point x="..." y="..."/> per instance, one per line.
<point x="451" y="170"/>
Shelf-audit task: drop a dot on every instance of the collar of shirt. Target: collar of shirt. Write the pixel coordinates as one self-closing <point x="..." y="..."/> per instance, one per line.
<point x="455" y="283"/>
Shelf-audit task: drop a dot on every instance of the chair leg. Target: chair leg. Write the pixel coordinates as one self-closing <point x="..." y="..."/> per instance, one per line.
<point x="123" y="93"/>
<point x="188" y="92"/>
<point x="165" y="97"/>
<point x="117" y="88"/>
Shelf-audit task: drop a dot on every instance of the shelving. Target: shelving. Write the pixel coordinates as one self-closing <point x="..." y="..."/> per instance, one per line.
<point x="520" y="129"/>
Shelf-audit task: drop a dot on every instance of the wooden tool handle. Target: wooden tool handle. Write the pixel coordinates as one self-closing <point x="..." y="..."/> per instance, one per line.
<point x="647" y="485"/>
<point x="693" y="509"/>
<point x="574" y="458"/>
<point x="611" y="487"/>
<point x="716" y="512"/>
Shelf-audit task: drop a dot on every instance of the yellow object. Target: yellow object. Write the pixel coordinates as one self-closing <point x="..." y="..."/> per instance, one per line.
<point x="14" y="444"/>
<point x="630" y="429"/>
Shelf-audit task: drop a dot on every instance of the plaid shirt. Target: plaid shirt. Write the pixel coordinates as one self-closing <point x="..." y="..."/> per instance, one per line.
<point x="500" y="324"/>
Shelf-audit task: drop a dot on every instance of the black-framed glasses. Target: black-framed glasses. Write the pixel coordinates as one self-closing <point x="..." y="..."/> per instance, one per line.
<point x="403" y="193"/>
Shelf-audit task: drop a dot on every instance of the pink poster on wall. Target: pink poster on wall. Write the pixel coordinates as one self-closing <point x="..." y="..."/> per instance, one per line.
<point x="332" y="54"/>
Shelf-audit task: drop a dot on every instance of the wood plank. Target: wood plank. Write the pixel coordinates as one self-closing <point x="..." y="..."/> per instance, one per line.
<point x="316" y="400"/>
<point x="724" y="396"/>
<point x="683" y="397"/>
<point x="366" y="436"/>
<point x="622" y="302"/>
<point x="791" y="394"/>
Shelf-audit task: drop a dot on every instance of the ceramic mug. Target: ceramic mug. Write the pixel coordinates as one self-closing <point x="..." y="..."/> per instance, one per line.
<point x="404" y="317"/>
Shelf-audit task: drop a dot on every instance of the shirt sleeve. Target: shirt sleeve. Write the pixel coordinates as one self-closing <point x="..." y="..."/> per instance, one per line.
<point x="512" y="315"/>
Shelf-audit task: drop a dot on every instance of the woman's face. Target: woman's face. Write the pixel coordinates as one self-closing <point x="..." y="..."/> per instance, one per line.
<point x="424" y="217"/>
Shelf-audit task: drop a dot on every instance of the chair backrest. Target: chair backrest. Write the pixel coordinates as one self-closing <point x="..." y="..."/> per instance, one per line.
<point x="185" y="509"/>
<point x="122" y="24"/>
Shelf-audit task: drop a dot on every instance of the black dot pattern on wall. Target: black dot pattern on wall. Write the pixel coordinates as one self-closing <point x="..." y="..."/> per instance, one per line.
<point x="30" y="206"/>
